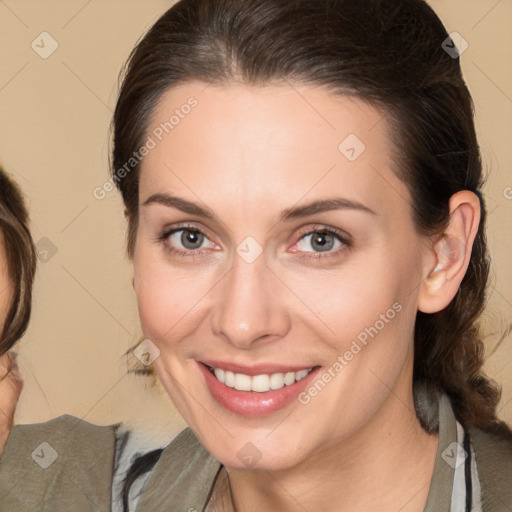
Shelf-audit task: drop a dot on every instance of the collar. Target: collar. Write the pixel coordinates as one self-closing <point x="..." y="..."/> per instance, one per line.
<point x="183" y="477"/>
<point x="441" y="485"/>
<point x="185" y="473"/>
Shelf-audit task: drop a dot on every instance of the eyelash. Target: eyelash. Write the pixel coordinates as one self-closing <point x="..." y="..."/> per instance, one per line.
<point x="317" y="229"/>
<point x="342" y="237"/>
<point x="173" y="250"/>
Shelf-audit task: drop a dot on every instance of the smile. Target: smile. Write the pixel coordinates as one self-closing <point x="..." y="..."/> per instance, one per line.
<point x="258" y="394"/>
<point x="258" y="383"/>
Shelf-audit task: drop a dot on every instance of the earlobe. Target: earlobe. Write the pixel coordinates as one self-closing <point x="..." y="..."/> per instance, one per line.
<point x="452" y="253"/>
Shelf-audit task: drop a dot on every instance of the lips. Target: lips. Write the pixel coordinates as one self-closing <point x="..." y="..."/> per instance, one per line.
<point x="255" y="403"/>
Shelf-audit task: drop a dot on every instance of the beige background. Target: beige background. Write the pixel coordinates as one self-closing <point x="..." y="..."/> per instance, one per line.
<point x="54" y="138"/>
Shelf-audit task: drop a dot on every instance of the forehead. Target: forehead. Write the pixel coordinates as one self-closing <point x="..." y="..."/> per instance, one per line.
<point x="274" y="143"/>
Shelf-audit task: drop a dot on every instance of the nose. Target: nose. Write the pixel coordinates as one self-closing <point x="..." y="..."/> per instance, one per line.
<point x="248" y="307"/>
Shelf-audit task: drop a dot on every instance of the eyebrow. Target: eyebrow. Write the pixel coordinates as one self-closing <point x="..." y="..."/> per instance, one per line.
<point x="323" y="205"/>
<point x="296" y="212"/>
<point x="180" y="204"/>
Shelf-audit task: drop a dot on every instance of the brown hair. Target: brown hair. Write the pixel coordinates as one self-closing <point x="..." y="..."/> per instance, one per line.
<point x="21" y="260"/>
<point x="386" y="52"/>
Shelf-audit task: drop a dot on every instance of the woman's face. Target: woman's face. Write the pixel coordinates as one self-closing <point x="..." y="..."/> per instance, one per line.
<point x="5" y="285"/>
<point x="275" y="237"/>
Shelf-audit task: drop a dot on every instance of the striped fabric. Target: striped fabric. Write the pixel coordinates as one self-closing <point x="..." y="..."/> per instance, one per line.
<point x="466" y="494"/>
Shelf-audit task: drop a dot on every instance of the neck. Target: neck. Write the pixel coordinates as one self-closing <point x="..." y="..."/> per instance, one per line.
<point x="385" y="467"/>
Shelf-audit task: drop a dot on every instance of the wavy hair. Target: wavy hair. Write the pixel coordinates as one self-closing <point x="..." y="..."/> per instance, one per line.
<point x="21" y="260"/>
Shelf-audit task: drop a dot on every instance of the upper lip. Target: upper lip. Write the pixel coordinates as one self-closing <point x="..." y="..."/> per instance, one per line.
<point x="256" y="369"/>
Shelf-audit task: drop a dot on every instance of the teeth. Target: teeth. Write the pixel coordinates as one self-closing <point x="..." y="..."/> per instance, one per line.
<point x="300" y="375"/>
<point x="242" y="382"/>
<point x="219" y="373"/>
<point x="276" y="380"/>
<point x="289" y="378"/>
<point x="229" y="379"/>
<point x="258" y="383"/>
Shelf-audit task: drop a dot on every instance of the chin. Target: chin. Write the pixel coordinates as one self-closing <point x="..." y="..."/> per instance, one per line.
<point x="254" y="450"/>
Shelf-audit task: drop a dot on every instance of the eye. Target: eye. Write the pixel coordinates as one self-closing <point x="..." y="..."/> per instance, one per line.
<point x="188" y="238"/>
<point x="322" y="242"/>
<point x="319" y="242"/>
<point x="185" y="241"/>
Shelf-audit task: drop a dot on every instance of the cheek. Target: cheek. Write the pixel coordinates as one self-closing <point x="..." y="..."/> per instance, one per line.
<point x="166" y="296"/>
<point x="6" y="293"/>
<point x="355" y="297"/>
<point x="370" y="311"/>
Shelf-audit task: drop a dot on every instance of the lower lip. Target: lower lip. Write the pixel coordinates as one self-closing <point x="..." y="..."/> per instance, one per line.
<point x="252" y="403"/>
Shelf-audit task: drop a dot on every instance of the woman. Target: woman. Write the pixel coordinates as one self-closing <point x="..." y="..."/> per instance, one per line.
<point x="37" y="447"/>
<point x="299" y="104"/>
<point x="302" y="185"/>
<point x="17" y="269"/>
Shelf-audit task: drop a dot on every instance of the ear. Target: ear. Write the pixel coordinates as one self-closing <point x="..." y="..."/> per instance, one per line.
<point x="451" y="252"/>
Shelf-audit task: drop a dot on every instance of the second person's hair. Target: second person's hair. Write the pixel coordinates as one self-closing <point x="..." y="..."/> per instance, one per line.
<point x="21" y="260"/>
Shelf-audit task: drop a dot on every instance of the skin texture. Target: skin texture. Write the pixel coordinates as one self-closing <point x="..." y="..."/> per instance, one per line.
<point x="6" y="290"/>
<point x="248" y="154"/>
<point x="11" y="382"/>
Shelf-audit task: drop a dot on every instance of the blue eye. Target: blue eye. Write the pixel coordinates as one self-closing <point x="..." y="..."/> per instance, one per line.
<point x="325" y="242"/>
<point x="191" y="241"/>
<point x="321" y="241"/>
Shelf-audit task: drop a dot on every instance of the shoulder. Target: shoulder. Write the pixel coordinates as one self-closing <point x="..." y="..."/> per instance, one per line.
<point x="66" y="462"/>
<point x="493" y="455"/>
<point x="65" y="425"/>
<point x="183" y="477"/>
<point x="62" y="437"/>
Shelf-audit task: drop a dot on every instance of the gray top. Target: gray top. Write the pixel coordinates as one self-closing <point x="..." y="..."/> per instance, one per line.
<point x="67" y="465"/>
<point x="194" y="472"/>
